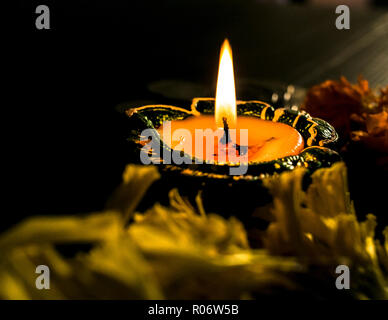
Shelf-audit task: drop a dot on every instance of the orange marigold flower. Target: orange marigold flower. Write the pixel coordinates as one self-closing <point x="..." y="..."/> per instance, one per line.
<point x="383" y="103"/>
<point x="336" y="102"/>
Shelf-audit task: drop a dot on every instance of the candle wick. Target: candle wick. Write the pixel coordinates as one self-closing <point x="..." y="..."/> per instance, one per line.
<point x="241" y="150"/>
<point x="226" y="137"/>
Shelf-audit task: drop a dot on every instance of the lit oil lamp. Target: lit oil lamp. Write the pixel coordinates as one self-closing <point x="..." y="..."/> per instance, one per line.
<point x="275" y="139"/>
<point x="266" y="140"/>
<point x="248" y="141"/>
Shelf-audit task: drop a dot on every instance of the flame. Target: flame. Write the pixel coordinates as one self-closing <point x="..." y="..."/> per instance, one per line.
<point x="226" y="92"/>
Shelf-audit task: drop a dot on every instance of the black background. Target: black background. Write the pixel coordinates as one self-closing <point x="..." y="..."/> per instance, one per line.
<point x="68" y="140"/>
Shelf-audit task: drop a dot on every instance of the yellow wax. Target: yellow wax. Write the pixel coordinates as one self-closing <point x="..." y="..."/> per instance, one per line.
<point x="267" y="140"/>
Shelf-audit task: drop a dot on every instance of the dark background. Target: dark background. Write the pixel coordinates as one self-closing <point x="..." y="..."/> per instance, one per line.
<point x="68" y="143"/>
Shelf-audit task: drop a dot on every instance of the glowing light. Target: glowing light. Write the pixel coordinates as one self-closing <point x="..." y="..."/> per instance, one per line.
<point x="226" y="92"/>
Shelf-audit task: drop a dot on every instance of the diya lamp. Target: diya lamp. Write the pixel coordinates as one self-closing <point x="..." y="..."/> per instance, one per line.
<point x="225" y="147"/>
